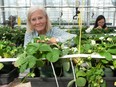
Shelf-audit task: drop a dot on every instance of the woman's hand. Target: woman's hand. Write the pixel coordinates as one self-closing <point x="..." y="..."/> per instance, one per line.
<point x="49" y="41"/>
<point x="106" y="28"/>
<point x="52" y="40"/>
<point x="99" y="27"/>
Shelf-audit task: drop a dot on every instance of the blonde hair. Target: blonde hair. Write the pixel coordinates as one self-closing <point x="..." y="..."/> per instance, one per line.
<point x="30" y="12"/>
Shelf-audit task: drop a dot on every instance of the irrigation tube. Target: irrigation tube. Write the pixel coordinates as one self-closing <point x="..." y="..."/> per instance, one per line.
<point x="97" y="56"/>
<point x="73" y="70"/>
<point x="54" y="74"/>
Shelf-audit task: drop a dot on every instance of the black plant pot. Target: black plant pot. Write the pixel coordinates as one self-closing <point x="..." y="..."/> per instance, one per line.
<point x="8" y="73"/>
<point x="110" y="81"/>
<point x="62" y="81"/>
<point x="49" y="82"/>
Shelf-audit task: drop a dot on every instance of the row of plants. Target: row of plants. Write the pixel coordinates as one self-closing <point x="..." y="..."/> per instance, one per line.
<point x="9" y="49"/>
<point x="15" y="35"/>
<point x="75" y="30"/>
<point x="109" y="30"/>
<point x="89" y="71"/>
<point x="11" y="42"/>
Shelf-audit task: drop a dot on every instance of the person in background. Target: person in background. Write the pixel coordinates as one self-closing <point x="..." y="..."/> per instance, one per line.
<point x="38" y="23"/>
<point x="100" y="23"/>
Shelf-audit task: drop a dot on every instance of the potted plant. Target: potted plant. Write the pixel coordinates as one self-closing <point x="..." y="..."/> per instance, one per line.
<point x="37" y="54"/>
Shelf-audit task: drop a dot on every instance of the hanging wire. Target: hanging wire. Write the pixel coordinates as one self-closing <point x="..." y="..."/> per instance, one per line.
<point x="54" y="74"/>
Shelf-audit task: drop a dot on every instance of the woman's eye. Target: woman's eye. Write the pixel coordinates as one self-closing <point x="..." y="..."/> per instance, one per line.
<point x="33" y="19"/>
<point x="39" y="18"/>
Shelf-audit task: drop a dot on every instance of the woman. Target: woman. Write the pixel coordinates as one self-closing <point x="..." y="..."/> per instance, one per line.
<point x="100" y="23"/>
<point x="38" y="23"/>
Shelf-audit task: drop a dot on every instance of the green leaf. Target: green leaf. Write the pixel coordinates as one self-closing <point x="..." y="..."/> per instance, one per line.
<point x="1" y="66"/>
<point x="80" y="81"/>
<point x="53" y="56"/>
<point x="42" y="37"/>
<point x="65" y="51"/>
<point x="43" y="55"/>
<point x="80" y="73"/>
<point x="32" y="48"/>
<point x="49" y="56"/>
<point x="31" y="61"/>
<point x="45" y="47"/>
<point x="114" y="63"/>
<point x="66" y="64"/>
<point x="87" y="46"/>
<point x="98" y="71"/>
<point x="112" y="51"/>
<point x="20" y="60"/>
<point x="104" y="61"/>
<point x="56" y="54"/>
<point x="23" y="67"/>
<point x="107" y="55"/>
<point x="39" y="63"/>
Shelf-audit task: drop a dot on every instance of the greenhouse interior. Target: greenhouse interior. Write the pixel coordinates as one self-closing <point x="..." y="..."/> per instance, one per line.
<point x="57" y="43"/>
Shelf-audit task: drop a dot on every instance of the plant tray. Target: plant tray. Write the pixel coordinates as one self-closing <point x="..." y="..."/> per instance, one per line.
<point x="8" y="74"/>
<point x="8" y="77"/>
<point x="49" y="82"/>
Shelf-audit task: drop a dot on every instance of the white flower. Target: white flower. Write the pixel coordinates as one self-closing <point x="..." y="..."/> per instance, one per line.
<point x="47" y="39"/>
<point x="114" y="83"/>
<point x="109" y="39"/>
<point x="101" y="38"/>
<point x="74" y="49"/>
<point x="64" y="47"/>
<point x="93" y="42"/>
<point x="89" y="29"/>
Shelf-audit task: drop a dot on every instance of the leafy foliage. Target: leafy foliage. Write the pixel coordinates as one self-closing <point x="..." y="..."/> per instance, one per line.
<point x="105" y="45"/>
<point x="36" y="52"/>
<point x="90" y="71"/>
<point x="97" y="31"/>
<point x="15" y="35"/>
<point x="9" y="49"/>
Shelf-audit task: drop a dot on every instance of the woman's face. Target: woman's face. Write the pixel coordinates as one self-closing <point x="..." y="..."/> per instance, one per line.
<point x="101" y="22"/>
<point x="38" y="21"/>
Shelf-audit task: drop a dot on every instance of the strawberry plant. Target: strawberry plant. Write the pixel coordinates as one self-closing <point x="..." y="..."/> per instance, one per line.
<point x="37" y="53"/>
<point x="90" y="71"/>
<point x="9" y="49"/>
